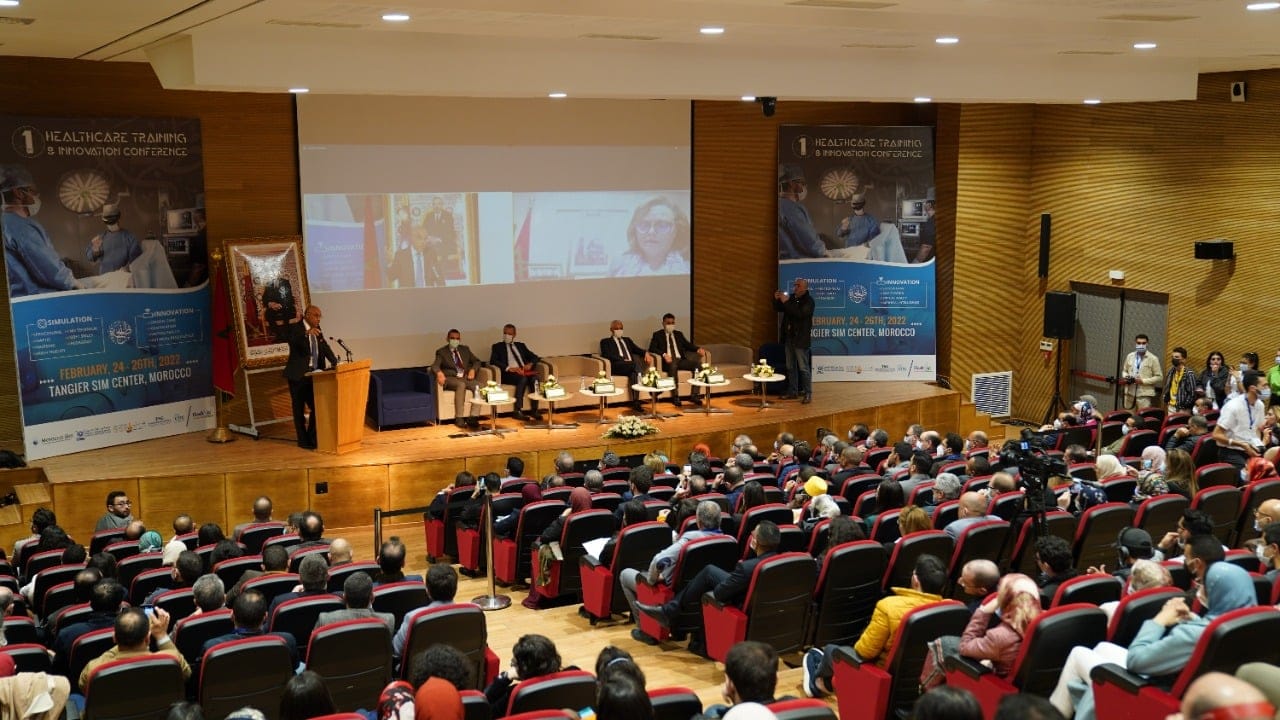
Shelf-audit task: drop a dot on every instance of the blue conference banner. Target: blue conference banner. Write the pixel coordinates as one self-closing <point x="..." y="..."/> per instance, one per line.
<point x="106" y="257"/>
<point x="856" y="219"/>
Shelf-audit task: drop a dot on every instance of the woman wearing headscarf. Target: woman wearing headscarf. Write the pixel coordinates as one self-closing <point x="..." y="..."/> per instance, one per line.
<point x="1163" y="645"/>
<point x="1151" y="477"/>
<point x="505" y="526"/>
<point x="1109" y="466"/>
<point x="1018" y="603"/>
<point x="579" y="502"/>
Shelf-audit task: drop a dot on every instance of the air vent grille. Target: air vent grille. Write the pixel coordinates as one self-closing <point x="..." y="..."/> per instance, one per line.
<point x="992" y="393"/>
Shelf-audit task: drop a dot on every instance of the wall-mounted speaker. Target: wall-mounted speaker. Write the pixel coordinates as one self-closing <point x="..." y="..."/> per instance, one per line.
<point x="1060" y="315"/>
<point x="1045" y="227"/>
<point x="1215" y="250"/>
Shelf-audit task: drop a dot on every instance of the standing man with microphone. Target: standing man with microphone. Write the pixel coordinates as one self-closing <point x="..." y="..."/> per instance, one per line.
<point x="308" y="351"/>
<point x="797" y="322"/>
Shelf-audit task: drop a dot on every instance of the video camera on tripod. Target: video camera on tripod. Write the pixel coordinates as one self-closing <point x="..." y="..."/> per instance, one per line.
<point x="1035" y="465"/>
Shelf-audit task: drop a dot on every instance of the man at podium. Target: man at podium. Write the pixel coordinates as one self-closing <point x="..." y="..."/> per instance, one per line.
<point x="307" y="352"/>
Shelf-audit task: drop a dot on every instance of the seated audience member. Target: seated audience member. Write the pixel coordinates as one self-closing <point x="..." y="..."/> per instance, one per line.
<point x="442" y="585"/>
<point x="953" y="451"/>
<point x="1001" y="482"/>
<point x="40" y="519"/>
<point x="134" y="530"/>
<point x="750" y="675"/>
<point x="889" y="496"/>
<point x="991" y="637"/>
<point x="224" y="550"/>
<point x="1185" y="437"/>
<point x="150" y="542"/>
<point x="616" y="661"/>
<point x="104" y="605"/>
<point x="633" y="512"/>
<point x="876" y="642"/>
<point x="1023" y="706"/>
<point x="1143" y="575"/>
<point x="913" y="519"/>
<point x="462" y="479"/>
<point x="1133" y="544"/>
<point x="119" y="512"/>
<point x="1163" y="644"/>
<point x="311" y="531"/>
<point x="391" y="557"/>
<point x="442" y="661"/>
<point x="248" y="618"/>
<point x="182" y="525"/>
<point x="727" y="587"/>
<point x="1192" y="523"/>
<point x="305" y="696"/>
<point x="947" y="703"/>
<point x="1076" y="454"/>
<point x="917" y="472"/>
<point x="357" y="595"/>
<point x="842" y="530"/>
<point x="822" y="507"/>
<point x="532" y="657"/>
<point x="209" y="594"/>
<point x="972" y="510"/>
<point x="275" y="561"/>
<point x="72" y="554"/>
<point x="339" y="552"/>
<point x="593" y="481"/>
<point x="134" y="632"/>
<point x="82" y="587"/>
<point x="850" y="465"/>
<point x="662" y="566"/>
<point x="469" y="516"/>
<point x="1263" y="677"/>
<point x="978" y="579"/>
<point x="1217" y="695"/>
<point x="640" y="480"/>
<point x="1256" y="469"/>
<point x="945" y="488"/>
<point x="1268" y="550"/>
<point x="185" y="572"/>
<point x="1053" y="556"/>
<point x="622" y="697"/>
<point x="105" y="563"/>
<point x="209" y="534"/>
<point x="313" y="576"/>
<point x="261" y="514"/>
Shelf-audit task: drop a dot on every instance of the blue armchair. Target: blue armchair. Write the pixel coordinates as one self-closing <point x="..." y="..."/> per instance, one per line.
<point x="401" y="396"/>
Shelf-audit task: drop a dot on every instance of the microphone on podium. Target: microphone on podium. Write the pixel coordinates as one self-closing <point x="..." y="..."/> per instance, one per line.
<point x="343" y="346"/>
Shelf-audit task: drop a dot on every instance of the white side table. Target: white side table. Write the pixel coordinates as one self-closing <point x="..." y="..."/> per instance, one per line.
<point x="493" y="428"/>
<point x="551" y="423"/>
<point x="653" y="392"/>
<point x="604" y="400"/>
<point x="705" y="406"/>
<point x="764" y="386"/>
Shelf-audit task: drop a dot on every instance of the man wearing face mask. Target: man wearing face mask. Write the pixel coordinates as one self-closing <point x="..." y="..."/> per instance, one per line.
<point x="455" y="367"/>
<point x="114" y="248"/>
<point x="29" y="255"/>
<point x="1268" y="551"/>
<point x="677" y="353"/>
<point x="1140" y="375"/>
<point x="625" y="358"/>
<point x="1237" y="432"/>
<point x="861" y="226"/>
<point x="1180" y="392"/>
<point x="797" y="237"/>
<point x="516" y="361"/>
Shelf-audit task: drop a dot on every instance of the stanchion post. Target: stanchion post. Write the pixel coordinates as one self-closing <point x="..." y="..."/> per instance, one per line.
<point x="377" y="530"/>
<point x="492" y="601"/>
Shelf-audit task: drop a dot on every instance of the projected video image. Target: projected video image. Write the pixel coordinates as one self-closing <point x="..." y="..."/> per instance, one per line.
<point x="403" y="240"/>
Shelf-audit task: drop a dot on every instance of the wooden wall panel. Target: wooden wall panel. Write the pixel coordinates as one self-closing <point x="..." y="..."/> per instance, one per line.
<point x="286" y="488"/>
<point x="941" y="413"/>
<point x="250" y="157"/>
<point x="480" y="464"/>
<point x="203" y="497"/>
<point x="80" y="504"/>
<point x="353" y="494"/>
<point x="414" y="484"/>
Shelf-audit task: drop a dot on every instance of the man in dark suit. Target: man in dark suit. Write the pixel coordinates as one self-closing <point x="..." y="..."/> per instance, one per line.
<point x="248" y="616"/>
<point x="625" y="358"/>
<point x="677" y="353"/>
<point x="797" y="323"/>
<point x="727" y="587"/>
<point x="455" y="367"/>
<point x="442" y="236"/>
<point x="516" y="360"/>
<point x="357" y="594"/>
<point x="307" y="352"/>
<point x="280" y="307"/>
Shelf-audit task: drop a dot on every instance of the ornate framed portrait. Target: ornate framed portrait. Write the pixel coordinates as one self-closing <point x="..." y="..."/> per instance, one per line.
<point x="268" y="286"/>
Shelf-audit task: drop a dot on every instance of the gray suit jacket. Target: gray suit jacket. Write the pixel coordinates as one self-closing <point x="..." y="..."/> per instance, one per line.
<point x="333" y="616"/>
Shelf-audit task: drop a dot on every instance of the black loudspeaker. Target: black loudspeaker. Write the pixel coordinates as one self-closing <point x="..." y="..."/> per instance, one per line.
<point x="1060" y="315"/>
<point x="1216" y="250"/>
<point x="1045" y="226"/>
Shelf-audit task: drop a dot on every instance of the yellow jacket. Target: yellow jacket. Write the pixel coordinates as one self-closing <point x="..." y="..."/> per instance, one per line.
<point x="877" y="640"/>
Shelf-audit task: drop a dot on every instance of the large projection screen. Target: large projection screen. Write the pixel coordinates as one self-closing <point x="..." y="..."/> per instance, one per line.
<point x="425" y="214"/>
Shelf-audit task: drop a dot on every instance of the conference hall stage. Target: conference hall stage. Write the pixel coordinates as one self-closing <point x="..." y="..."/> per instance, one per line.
<point x="404" y="468"/>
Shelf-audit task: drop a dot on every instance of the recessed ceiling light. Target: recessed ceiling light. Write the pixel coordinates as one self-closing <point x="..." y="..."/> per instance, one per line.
<point x="1250" y="6"/>
<point x="1144" y="46"/>
<point x="299" y="90"/>
<point x="396" y="17"/>
<point x="14" y="3"/>
<point x="1092" y="101"/>
<point x="748" y="98"/>
<point x="947" y="40"/>
<point x="558" y="95"/>
<point x="712" y="30"/>
<point x="923" y="99"/>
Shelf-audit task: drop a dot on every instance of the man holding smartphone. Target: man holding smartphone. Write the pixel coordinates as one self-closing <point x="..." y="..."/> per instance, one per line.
<point x="797" y="323"/>
<point x="133" y="631"/>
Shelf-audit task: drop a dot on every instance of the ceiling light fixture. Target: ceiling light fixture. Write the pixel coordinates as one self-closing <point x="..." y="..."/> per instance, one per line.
<point x="712" y="30"/>
<point x="396" y="17"/>
<point x="748" y="98"/>
<point x="947" y="40"/>
<point x="299" y="90"/>
<point x="558" y="95"/>
<point x="1251" y="6"/>
<point x="1144" y="46"/>
<point x="1092" y="101"/>
<point x="923" y="99"/>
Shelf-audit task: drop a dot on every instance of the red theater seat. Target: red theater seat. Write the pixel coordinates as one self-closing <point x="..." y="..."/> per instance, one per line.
<point x="635" y="547"/>
<point x="718" y="550"/>
<point x="773" y="611"/>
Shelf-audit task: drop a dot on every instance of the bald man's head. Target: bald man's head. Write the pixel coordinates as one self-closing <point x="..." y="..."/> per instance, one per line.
<point x="1218" y="691"/>
<point x="973" y="503"/>
<point x="980" y="575"/>
<point x="1268" y="512"/>
<point x="339" y="551"/>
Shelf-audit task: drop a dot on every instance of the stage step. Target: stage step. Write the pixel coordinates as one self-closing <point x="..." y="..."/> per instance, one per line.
<point x="32" y="490"/>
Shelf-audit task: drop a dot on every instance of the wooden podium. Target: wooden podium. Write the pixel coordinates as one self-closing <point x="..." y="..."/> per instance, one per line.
<point x="340" y="405"/>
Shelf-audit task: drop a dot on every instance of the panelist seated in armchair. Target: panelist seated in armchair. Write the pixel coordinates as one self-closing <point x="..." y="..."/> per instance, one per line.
<point x="677" y="353"/>
<point x="927" y="581"/>
<point x="625" y="358"/>
<point x="516" y="361"/>
<point x="727" y="587"/>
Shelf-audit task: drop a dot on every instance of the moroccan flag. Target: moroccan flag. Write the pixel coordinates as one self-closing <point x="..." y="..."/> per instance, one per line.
<point x="522" y="247"/>
<point x="372" y="261"/>
<point x="226" y="359"/>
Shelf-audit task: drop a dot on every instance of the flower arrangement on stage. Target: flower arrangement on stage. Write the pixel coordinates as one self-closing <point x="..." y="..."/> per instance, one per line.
<point x="762" y="369"/>
<point x="602" y="378"/>
<point x="551" y="383"/>
<point x="650" y="377"/>
<point x="490" y="386"/>
<point x="705" y="372"/>
<point x="630" y="427"/>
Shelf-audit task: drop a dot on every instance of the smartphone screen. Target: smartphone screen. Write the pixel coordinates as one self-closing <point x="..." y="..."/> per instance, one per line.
<point x="150" y="610"/>
<point x="688" y="469"/>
